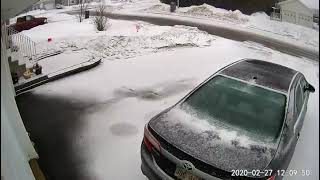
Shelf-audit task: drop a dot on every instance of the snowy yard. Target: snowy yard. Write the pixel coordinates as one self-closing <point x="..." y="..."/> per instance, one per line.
<point x="115" y="100"/>
<point x="257" y="22"/>
<point x="121" y="40"/>
<point x="93" y="122"/>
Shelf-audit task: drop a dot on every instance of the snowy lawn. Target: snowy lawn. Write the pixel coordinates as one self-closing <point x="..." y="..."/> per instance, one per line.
<point x="79" y="42"/>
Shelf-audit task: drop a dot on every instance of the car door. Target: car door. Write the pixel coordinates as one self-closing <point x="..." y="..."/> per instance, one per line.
<point x="20" y="24"/>
<point x="289" y="139"/>
<point x="301" y="100"/>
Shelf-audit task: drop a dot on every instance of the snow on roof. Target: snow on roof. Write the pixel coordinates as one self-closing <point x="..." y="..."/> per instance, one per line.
<point x="312" y="4"/>
<point x="301" y="2"/>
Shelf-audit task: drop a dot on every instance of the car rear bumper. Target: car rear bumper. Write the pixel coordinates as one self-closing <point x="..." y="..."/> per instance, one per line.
<point x="149" y="168"/>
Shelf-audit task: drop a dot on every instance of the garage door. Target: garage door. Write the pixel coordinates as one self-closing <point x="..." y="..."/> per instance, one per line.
<point x="289" y="16"/>
<point x="304" y="20"/>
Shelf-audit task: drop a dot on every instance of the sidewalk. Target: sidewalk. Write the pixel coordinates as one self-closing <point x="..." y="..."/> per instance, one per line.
<point x="56" y="67"/>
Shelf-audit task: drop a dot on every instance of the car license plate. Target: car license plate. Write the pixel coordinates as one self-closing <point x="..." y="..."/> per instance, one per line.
<point x="184" y="175"/>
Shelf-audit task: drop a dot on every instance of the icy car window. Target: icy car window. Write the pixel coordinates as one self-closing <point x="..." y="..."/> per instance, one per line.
<point x="241" y="105"/>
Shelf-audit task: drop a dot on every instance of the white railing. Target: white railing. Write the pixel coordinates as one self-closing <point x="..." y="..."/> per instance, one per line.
<point x="22" y="48"/>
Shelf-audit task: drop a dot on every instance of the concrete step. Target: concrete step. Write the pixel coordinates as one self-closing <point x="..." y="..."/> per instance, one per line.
<point x="16" y="67"/>
<point x="18" y="58"/>
<point x="35" y="80"/>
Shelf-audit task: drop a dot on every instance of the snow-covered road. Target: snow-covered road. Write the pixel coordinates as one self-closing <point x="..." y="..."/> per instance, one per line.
<point x="92" y="122"/>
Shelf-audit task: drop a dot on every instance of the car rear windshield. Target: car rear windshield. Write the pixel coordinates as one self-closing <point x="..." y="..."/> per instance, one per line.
<point x="241" y="105"/>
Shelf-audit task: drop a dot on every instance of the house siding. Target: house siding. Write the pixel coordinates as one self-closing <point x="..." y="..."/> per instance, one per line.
<point x="16" y="147"/>
<point x="295" y="12"/>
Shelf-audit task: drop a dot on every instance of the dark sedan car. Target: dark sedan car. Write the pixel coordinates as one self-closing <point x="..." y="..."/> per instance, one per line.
<point x="243" y="122"/>
<point x="28" y="22"/>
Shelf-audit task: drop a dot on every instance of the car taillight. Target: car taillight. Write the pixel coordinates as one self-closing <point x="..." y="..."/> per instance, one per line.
<point x="272" y="177"/>
<point x="149" y="140"/>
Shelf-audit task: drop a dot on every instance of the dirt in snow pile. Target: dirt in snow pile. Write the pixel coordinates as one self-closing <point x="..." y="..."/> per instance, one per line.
<point x="199" y="11"/>
<point x="212" y="12"/>
<point x="158" y="7"/>
<point x="121" y="46"/>
<point x="204" y="11"/>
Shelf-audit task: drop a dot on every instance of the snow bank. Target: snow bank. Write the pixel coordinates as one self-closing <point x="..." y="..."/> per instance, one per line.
<point x="158" y="8"/>
<point x="202" y="10"/>
<point x="216" y="13"/>
<point x="116" y="47"/>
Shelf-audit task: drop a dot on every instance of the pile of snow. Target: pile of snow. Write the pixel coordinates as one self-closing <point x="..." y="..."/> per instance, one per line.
<point x="235" y="16"/>
<point x="211" y="12"/>
<point x="202" y="10"/>
<point x="158" y="8"/>
<point x="121" y="40"/>
<point x="116" y="47"/>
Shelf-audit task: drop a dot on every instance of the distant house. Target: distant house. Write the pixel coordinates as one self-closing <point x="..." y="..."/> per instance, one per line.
<point x="69" y="2"/>
<point x="293" y="11"/>
<point x="45" y="4"/>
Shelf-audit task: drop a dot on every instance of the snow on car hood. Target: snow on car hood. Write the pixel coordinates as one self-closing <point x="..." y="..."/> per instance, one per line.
<point x="221" y="147"/>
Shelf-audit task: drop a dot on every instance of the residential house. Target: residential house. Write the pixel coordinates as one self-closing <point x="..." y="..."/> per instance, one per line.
<point x="69" y="2"/>
<point x="17" y="151"/>
<point x="293" y="11"/>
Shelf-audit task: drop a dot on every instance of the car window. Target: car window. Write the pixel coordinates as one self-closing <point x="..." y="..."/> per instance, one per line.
<point x="298" y="99"/>
<point x="240" y="105"/>
<point x="28" y="18"/>
<point x="21" y="19"/>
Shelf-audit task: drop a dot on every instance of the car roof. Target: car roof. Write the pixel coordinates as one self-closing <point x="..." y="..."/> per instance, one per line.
<point x="262" y="73"/>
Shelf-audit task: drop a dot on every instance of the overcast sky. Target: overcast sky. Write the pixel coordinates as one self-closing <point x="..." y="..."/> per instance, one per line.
<point x="311" y="3"/>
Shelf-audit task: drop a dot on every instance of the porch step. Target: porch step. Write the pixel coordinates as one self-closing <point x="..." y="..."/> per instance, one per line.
<point x="33" y="81"/>
<point x="16" y="67"/>
<point x="15" y="57"/>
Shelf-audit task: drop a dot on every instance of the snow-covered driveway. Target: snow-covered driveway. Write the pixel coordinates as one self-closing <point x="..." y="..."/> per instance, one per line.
<point x="90" y="125"/>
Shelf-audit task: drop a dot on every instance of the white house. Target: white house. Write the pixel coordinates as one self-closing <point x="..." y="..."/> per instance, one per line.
<point x="294" y="11"/>
<point x="17" y="151"/>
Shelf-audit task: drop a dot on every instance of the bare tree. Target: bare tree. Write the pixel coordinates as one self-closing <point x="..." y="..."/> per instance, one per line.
<point x="100" y="20"/>
<point x="83" y="6"/>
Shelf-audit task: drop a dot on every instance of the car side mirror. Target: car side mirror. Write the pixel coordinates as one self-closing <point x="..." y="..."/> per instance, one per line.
<point x="309" y="88"/>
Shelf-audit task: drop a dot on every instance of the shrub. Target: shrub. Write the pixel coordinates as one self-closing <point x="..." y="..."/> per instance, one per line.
<point x="100" y="20"/>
